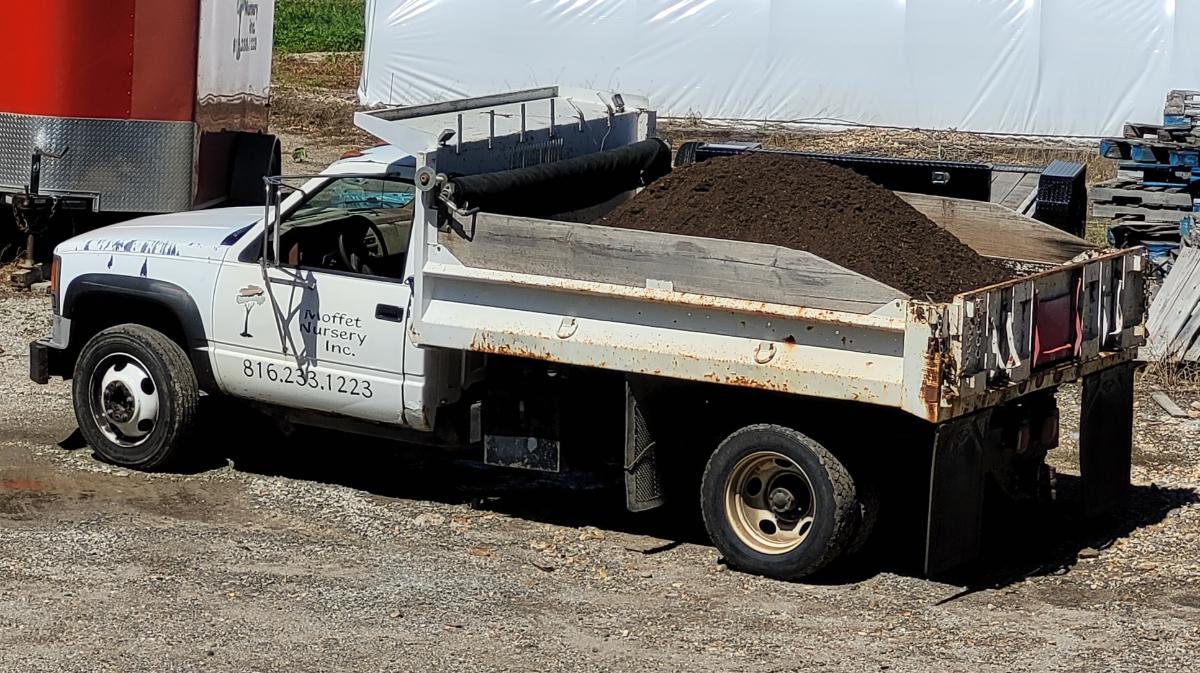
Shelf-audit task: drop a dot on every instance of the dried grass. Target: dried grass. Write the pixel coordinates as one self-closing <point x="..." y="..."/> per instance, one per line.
<point x="316" y="95"/>
<point x="327" y="70"/>
<point x="908" y="143"/>
<point x="1172" y="376"/>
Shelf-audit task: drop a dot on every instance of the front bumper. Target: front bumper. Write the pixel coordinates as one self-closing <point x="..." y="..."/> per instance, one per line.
<point x="41" y="360"/>
<point x="47" y="356"/>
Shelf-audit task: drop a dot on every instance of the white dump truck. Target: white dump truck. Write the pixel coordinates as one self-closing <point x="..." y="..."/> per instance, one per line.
<point x="448" y="287"/>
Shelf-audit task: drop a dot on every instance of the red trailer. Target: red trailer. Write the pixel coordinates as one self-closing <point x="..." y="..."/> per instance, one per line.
<point x="123" y="107"/>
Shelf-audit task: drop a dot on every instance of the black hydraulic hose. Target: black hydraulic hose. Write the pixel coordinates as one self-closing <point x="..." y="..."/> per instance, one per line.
<point x="563" y="186"/>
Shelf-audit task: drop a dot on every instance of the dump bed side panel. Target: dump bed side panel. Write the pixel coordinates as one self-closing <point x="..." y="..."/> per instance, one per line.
<point x="642" y="259"/>
<point x="663" y="333"/>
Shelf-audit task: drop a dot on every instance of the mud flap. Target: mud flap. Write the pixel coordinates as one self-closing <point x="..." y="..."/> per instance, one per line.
<point x="254" y="156"/>
<point x="643" y="488"/>
<point x="1106" y="438"/>
<point x="956" y="482"/>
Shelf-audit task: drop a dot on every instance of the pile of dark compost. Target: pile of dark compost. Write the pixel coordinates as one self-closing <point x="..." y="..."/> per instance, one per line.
<point x="813" y="206"/>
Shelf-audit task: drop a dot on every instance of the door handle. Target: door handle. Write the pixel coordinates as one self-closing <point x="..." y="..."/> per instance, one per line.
<point x="389" y="313"/>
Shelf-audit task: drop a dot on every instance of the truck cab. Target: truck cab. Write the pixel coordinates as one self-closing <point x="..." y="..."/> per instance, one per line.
<point x="330" y="335"/>
<point x="324" y="333"/>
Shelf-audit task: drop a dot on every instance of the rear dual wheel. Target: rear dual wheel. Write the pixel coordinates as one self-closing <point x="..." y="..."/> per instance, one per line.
<point x="779" y="504"/>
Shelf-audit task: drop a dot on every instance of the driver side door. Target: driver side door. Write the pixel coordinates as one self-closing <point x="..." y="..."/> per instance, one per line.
<point x="324" y="339"/>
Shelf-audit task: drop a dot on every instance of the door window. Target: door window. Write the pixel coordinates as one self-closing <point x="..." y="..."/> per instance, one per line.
<point x="357" y="225"/>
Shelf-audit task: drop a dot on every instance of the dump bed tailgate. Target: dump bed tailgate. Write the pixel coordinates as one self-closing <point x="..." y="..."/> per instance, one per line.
<point x="1034" y="332"/>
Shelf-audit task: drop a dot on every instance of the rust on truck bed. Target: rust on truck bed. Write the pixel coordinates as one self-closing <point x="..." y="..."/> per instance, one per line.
<point x="779" y="366"/>
<point x="1050" y="377"/>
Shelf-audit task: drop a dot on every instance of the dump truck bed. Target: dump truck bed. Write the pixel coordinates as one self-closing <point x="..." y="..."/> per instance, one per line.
<point x="727" y="312"/>
<point x="760" y="316"/>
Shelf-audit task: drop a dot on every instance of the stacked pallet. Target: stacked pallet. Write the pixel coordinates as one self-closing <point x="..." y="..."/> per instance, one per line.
<point x="1153" y="202"/>
<point x="1157" y="188"/>
<point x="1182" y="108"/>
<point x="1155" y="180"/>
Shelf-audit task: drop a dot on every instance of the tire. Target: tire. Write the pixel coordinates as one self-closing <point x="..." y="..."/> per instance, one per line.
<point x="135" y="396"/>
<point x="805" y="503"/>
<point x="869" y="507"/>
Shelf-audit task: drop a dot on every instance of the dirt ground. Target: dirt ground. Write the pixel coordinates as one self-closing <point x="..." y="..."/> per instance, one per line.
<point x="334" y="553"/>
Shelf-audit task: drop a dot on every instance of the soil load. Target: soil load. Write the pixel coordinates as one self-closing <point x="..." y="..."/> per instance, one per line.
<point x="809" y="205"/>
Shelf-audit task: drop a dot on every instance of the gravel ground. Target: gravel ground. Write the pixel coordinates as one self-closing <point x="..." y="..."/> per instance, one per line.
<point x="342" y="554"/>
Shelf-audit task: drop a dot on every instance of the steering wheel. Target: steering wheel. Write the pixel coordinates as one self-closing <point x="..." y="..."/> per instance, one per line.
<point x="352" y="247"/>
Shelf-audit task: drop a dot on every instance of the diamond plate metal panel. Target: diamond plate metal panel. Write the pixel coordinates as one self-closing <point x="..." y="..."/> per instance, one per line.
<point x="131" y="166"/>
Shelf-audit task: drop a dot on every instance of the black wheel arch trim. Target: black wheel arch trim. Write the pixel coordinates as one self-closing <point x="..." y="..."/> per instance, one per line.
<point x="169" y="296"/>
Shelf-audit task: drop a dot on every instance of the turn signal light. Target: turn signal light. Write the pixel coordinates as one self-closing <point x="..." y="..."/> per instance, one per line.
<point x="55" y="267"/>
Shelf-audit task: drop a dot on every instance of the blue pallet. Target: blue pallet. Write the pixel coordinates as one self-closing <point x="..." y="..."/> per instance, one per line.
<point x="1114" y="148"/>
<point x="1159" y="183"/>
<point x="1184" y="158"/>
<point x="1132" y="150"/>
<point x="1158" y="175"/>
<point x="1182" y="171"/>
<point x="1149" y="153"/>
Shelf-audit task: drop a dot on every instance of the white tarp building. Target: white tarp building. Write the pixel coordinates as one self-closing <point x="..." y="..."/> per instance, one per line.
<point x="1054" y="67"/>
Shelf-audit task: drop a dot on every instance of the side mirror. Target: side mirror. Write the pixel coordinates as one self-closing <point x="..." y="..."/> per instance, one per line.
<point x="272" y="217"/>
<point x="270" y="221"/>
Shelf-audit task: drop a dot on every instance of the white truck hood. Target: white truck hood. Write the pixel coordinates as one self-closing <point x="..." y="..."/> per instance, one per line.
<point x="200" y="233"/>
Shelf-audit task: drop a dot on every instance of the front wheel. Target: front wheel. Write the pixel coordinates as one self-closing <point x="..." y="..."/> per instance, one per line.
<point x="135" y="396"/>
<point x="777" y="503"/>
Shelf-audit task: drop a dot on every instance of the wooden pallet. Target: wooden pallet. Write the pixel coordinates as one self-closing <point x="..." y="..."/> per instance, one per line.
<point x="1134" y="131"/>
<point x="1174" y="319"/>
<point x="1140" y="178"/>
<point x="1181" y="123"/>
<point x="1158" y="231"/>
<point x="1182" y="102"/>
<point x="1138" y="213"/>
<point x="1179" y="130"/>
<point x="1134" y="193"/>
<point x="1158" y="175"/>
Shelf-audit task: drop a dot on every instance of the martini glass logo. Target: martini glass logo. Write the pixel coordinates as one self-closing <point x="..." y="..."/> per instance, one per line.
<point x="249" y="297"/>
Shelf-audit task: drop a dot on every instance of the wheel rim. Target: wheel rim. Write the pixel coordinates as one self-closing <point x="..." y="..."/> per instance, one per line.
<point x="124" y="399"/>
<point x="769" y="502"/>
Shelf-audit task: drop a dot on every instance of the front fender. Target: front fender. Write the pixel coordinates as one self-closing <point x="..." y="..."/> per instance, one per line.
<point x="118" y="294"/>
